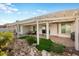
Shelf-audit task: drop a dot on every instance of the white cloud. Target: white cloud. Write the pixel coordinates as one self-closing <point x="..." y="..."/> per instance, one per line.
<point x="7" y="8"/>
<point x="19" y="13"/>
<point x="39" y="11"/>
<point x="2" y="21"/>
<point x="42" y="11"/>
<point x="34" y="13"/>
<point x="8" y="3"/>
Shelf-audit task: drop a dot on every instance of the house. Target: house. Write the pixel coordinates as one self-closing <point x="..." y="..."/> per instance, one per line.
<point x="3" y="28"/>
<point x="60" y="24"/>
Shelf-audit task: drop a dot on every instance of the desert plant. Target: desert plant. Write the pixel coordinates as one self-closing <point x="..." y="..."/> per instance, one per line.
<point x="5" y="38"/>
<point x="3" y="53"/>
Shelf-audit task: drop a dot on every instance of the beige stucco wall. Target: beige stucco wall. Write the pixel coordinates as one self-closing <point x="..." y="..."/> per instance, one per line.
<point x="53" y="29"/>
<point x="26" y="29"/>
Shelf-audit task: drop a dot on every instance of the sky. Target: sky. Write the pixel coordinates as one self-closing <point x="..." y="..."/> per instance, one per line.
<point x="10" y="12"/>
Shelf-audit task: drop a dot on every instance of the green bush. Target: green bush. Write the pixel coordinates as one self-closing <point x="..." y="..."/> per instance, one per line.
<point x="58" y="48"/>
<point x="45" y="44"/>
<point x="48" y="45"/>
<point x="22" y="37"/>
<point x="31" y="39"/>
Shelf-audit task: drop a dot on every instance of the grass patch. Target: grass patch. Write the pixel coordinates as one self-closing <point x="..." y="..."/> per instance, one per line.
<point x="48" y="45"/>
<point x="57" y="48"/>
<point x="44" y="44"/>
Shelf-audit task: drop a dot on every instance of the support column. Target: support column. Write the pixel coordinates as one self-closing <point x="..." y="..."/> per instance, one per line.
<point x="76" y="34"/>
<point x="47" y="30"/>
<point x="21" y="29"/>
<point x="37" y="32"/>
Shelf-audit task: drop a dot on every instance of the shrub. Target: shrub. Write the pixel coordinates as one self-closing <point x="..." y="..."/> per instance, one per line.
<point x="3" y="53"/>
<point x="44" y="44"/>
<point x="48" y="45"/>
<point x="22" y="37"/>
<point x="57" y="48"/>
<point x="5" y="38"/>
<point x="30" y="39"/>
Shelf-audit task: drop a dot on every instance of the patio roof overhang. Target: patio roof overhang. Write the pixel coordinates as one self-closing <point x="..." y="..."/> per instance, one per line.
<point x="49" y="20"/>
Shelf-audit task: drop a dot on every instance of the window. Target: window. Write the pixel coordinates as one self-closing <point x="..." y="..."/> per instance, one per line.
<point x="34" y="28"/>
<point x="66" y="28"/>
<point x="43" y="29"/>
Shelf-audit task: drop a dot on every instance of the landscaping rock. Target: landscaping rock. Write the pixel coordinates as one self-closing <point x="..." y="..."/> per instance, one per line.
<point x="34" y="51"/>
<point x="45" y="53"/>
<point x="69" y="54"/>
<point x="74" y="55"/>
<point x="21" y="48"/>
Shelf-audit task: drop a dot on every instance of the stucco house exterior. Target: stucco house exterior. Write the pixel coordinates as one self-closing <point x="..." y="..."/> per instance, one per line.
<point x="60" y="24"/>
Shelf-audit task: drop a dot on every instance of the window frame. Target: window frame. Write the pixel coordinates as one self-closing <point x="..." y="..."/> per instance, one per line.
<point x="65" y="28"/>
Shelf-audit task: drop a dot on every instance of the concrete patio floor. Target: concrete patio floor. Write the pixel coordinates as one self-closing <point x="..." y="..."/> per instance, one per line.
<point x="61" y="40"/>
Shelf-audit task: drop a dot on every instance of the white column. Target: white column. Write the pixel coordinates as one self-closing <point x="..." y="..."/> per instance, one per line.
<point x="21" y="29"/>
<point x="47" y="30"/>
<point x="76" y="34"/>
<point x="37" y="32"/>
